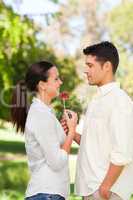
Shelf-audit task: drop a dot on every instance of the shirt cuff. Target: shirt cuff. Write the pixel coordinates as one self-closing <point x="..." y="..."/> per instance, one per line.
<point x="120" y="159"/>
<point x="64" y="154"/>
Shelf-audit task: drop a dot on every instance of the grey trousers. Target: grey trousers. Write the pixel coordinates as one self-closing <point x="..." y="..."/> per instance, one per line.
<point x="96" y="196"/>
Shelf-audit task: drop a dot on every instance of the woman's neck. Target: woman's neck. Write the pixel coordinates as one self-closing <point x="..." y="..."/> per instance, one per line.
<point x="44" y="98"/>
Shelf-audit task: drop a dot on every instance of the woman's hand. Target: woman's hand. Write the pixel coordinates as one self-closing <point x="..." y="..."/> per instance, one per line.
<point x="71" y="121"/>
<point x="64" y="124"/>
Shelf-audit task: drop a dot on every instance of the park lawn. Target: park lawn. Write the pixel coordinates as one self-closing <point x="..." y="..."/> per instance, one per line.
<point x="14" y="172"/>
<point x="13" y="180"/>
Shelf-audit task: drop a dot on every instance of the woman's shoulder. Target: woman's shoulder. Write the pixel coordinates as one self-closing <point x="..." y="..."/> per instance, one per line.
<point x="40" y="115"/>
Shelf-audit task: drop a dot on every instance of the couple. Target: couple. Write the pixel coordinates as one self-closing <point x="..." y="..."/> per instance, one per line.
<point x="105" y="159"/>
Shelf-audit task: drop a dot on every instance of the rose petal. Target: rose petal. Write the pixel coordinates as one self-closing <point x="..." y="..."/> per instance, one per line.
<point x="64" y="95"/>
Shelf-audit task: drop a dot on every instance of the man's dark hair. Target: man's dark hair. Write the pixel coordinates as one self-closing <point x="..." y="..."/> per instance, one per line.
<point x="104" y="51"/>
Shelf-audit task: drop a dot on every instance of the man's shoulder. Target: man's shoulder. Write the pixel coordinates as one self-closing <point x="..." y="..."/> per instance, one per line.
<point x="121" y="98"/>
<point x="122" y="94"/>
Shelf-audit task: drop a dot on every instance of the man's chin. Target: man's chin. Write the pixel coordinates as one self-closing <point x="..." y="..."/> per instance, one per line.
<point x="91" y="83"/>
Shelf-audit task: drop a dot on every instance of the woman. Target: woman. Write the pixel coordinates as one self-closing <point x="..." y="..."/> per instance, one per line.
<point x="47" y="145"/>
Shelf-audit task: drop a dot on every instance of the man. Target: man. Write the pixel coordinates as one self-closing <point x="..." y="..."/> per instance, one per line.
<point x="105" y="158"/>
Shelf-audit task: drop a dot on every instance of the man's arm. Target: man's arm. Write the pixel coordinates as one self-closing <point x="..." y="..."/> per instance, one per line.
<point x="121" y="124"/>
<point x="112" y="175"/>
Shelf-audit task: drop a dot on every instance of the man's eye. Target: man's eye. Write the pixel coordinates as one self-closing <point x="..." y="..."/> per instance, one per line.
<point x="90" y="66"/>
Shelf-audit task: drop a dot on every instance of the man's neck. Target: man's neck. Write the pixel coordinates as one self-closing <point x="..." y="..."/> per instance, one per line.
<point x="105" y="82"/>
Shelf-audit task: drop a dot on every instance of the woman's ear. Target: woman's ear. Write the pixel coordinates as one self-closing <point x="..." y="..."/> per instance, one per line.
<point x="42" y="85"/>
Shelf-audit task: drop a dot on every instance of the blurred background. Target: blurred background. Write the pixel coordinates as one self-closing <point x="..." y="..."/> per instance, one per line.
<point x="55" y="30"/>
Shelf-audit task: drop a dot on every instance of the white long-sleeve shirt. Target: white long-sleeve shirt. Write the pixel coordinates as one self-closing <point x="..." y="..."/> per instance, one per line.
<point x="48" y="163"/>
<point x="107" y="138"/>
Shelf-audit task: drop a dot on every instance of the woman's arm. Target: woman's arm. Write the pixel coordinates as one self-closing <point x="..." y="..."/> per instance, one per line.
<point x="71" y="124"/>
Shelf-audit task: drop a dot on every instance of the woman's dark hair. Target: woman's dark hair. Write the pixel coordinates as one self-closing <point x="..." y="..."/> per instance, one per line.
<point x="37" y="72"/>
<point x="104" y="51"/>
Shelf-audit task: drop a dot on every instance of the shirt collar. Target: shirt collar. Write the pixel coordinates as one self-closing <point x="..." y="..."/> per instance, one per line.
<point x="103" y="90"/>
<point x="41" y="103"/>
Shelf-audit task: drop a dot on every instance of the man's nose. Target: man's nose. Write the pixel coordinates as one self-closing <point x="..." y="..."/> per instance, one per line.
<point x="86" y="71"/>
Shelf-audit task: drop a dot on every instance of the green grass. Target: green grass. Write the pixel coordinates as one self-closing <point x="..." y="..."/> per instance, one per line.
<point x="12" y="147"/>
<point x="13" y="181"/>
<point x="11" y="195"/>
<point x="14" y="173"/>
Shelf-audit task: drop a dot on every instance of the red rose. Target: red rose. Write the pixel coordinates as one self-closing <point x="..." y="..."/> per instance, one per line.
<point x="64" y="95"/>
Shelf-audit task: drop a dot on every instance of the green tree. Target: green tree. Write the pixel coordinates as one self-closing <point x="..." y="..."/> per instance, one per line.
<point x="120" y="28"/>
<point x="19" y="47"/>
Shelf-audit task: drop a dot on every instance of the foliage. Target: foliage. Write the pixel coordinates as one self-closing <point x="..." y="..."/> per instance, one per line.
<point x="72" y="103"/>
<point x="19" y="47"/>
<point x="13" y="175"/>
<point x="11" y="195"/>
<point x="120" y="21"/>
<point x="55" y="1"/>
<point x="121" y="26"/>
<point x="77" y="22"/>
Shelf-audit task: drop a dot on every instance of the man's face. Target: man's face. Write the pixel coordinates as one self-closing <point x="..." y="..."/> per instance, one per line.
<point x="94" y="70"/>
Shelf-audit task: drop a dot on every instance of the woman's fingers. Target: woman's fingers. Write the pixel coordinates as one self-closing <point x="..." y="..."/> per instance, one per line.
<point x="71" y="122"/>
<point x="70" y="114"/>
<point x="64" y="125"/>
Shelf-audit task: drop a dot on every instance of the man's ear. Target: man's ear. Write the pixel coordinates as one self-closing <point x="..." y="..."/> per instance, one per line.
<point x="42" y="85"/>
<point x="108" y="66"/>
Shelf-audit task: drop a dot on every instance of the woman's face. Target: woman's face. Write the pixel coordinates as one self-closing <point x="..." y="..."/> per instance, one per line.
<point x="53" y="83"/>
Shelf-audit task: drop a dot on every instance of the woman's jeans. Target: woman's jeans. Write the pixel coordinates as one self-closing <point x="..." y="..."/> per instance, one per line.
<point x="43" y="196"/>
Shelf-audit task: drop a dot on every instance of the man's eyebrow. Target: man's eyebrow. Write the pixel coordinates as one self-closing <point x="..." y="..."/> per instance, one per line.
<point x="88" y="63"/>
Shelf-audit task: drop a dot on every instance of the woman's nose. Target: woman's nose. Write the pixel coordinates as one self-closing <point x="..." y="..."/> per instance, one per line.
<point x="60" y="82"/>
